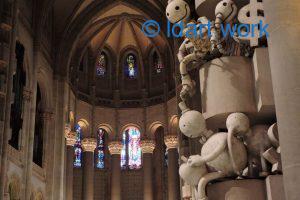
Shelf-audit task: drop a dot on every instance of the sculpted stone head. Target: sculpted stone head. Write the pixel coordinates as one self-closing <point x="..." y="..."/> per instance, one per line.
<point x="192" y="124"/>
<point x="226" y="9"/>
<point x="177" y="10"/>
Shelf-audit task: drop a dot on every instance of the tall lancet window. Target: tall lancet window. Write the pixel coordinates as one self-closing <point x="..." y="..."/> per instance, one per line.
<point x="100" y="163"/>
<point x="131" y="154"/>
<point x="157" y="64"/>
<point x="19" y="82"/>
<point x="130" y="67"/>
<point x="38" y="130"/>
<point x="101" y="64"/>
<point x="77" y="147"/>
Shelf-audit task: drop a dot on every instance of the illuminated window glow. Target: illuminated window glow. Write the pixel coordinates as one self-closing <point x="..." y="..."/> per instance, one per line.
<point x="77" y="147"/>
<point x="131" y="154"/>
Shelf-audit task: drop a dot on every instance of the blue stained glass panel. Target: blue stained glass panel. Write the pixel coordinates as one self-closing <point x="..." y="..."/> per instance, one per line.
<point x="77" y="147"/>
<point x="101" y="65"/>
<point x="131" y="66"/>
<point x="100" y="149"/>
<point x="123" y="151"/>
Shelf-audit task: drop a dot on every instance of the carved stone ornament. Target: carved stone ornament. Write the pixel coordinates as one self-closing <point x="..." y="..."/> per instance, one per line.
<point x="89" y="144"/>
<point x="115" y="147"/>
<point x="171" y="141"/>
<point x="148" y="146"/>
<point x="27" y="94"/>
<point x="71" y="138"/>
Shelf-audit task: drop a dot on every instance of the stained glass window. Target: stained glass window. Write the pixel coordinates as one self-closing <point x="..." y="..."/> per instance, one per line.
<point x="131" y="66"/>
<point x="131" y="154"/>
<point x="100" y="149"/>
<point x="157" y="64"/>
<point x="124" y="151"/>
<point x="101" y="64"/>
<point x="77" y="147"/>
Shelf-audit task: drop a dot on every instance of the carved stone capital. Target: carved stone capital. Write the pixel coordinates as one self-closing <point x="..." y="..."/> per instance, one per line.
<point x="171" y="141"/>
<point x="148" y="146"/>
<point x="68" y="129"/>
<point x="71" y="138"/>
<point x="27" y="94"/>
<point x="89" y="144"/>
<point x="47" y="116"/>
<point x="115" y="147"/>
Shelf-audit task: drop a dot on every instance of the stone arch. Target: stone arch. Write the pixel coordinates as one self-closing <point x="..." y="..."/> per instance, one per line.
<point x="85" y="126"/>
<point x="130" y="125"/>
<point x="153" y="128"/>
<point x="109" y="130"/>
<point x="173" y="125"/>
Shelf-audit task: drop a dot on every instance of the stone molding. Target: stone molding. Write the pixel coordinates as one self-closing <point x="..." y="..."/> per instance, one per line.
<point x="27" y="94"/>
<point x="89" y="144"/>
<point x="47" y="116"/>
<point x="171" y="141"/>
<point x="148" y="146"/>
<point x="115" y="148"/>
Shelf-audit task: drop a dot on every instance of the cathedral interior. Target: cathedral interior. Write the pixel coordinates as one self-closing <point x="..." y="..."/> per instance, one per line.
<point x="97" y="103"/>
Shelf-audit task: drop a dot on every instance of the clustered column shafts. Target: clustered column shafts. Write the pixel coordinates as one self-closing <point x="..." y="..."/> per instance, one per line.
<point x="88" y="146"/>
<point x="8" y="25"/>
<point x="171" y="142"/>
<point x="115" y="148"/>
<point x="148" y="147"/>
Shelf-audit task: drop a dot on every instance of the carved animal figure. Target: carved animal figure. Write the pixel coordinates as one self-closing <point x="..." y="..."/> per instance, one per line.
<point x="222" y="153"/>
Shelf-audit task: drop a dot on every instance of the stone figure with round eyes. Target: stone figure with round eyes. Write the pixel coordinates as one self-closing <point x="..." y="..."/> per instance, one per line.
<point x="222" y="154"/>
<point x="225" y="12"/>
<point x="193" y="49"/>
<point x="203" y="46"/>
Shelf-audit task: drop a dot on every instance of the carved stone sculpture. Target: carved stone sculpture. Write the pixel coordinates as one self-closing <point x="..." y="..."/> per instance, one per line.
<point x="222" y="153"/>
<point x="257" y="142"/>
<point x="193" y="48"/>
<point x="272" y="155"/>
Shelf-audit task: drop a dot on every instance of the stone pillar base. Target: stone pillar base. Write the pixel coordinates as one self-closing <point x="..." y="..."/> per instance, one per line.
<point x="247" y="189"/>
<point x="274" y="187"/>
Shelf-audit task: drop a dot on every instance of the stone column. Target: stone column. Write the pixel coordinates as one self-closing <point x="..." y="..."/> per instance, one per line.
<point x="8" y="23"/>
<point x="115" y="148"/>
<point x="171" y="142"/>
<point x="284" y="53"/>
<point x="88" y="146"/>
<point x="148" y="147"/>
<point x="70" y="141"/>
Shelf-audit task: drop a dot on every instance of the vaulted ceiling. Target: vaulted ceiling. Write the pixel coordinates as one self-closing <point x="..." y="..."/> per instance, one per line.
<point x="83" y="28"/>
